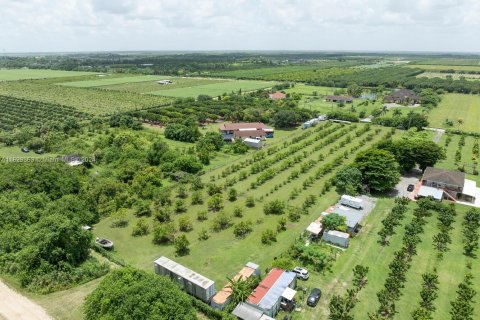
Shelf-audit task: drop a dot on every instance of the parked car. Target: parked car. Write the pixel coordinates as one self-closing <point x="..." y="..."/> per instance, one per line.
<point x="39" y="151"/>
<point x="25" y="149"/>
<point x="313" y="297"/>
<point x="410" y="187"/>
<point x="301" y="273"/>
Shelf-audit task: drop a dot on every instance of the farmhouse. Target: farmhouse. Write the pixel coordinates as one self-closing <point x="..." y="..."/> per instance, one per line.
<point x="190" y="281"/>
<point x="447" y="184"/>
<point x="339" y="99"/>
<point x="223" y="297"/>
<point x="274" y="292"/>
<point x="241" y="130"/>
<point x="165" y="82"/>
<point x="403" y="96"/>
<point x="277" y="95"/>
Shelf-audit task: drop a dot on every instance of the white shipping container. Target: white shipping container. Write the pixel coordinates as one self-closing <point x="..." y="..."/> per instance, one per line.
<point x="352" y="202"/>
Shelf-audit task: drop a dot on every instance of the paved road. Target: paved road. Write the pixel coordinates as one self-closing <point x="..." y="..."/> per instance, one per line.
<point x="14" y="306"/>
<point x="438" y="133"/>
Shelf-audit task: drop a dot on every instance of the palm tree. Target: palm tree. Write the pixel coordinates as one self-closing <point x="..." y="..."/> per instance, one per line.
<point x="241" y="289"/>
<point x="397" y="112"/>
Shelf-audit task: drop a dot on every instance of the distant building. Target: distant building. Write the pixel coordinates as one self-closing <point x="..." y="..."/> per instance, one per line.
<point x="339" y="99"/>
<point x="403" y="96"/>
<point x="190" y="281"/>
<point x="337" y="238"/>
<point x="277" y="95"/>
<point x="274" y="292"/>
<point x="223" y="297"/>
<point x="241" y="130"/>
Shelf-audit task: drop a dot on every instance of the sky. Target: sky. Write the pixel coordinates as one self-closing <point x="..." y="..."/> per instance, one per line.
<point x="193" y="25"/>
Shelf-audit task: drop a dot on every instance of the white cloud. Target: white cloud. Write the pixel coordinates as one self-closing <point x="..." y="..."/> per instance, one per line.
<point x="73" y="25"/>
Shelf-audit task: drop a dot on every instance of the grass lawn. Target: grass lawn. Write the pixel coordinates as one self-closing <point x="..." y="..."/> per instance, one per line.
<point x="107" y="81"/>
<point x="309" y="90"/>
<point x="153" y="86"/>
<point x="20" y="74"/>
<point x="215" y="89"/>
<point x="455" y="76"/>
<point x="454" y="106"/>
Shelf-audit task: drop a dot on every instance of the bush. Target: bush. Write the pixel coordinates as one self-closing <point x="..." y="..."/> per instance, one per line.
<point x="181" y="245"/>
<point x="184" y="224"/>
<point x="334" y="221"/>
<point x="203" y="235"/>
<point x="163" y="214"/>
<point x="250" y="202"/>
<point x="243" y="228"/>
<point x="197" y="198"/>
<point x="202" y="215"/>
<point x="213" y="189"/>
<point x="143" y="209"/>
<point x="269" y="236"/>
<point x="164" y="233"/>
<point x="282" y="224"/>
<point x="294" y="213"/>
<point x="276" y="207"/>
<point x="237" y="212"/>
<point x="221" y="221"/>
<point x="141" y="228"/>
<point x="215" y="203"/>
<point x="180" y="206"/>
<point x="232" y="194"/>
<point x="119" y="219"/>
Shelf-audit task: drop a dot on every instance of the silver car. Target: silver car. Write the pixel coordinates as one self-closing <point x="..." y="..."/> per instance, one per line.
<point x="301" y="273"/>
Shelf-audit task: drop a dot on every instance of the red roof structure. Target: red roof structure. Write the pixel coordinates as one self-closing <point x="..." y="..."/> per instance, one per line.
<point x="277" y="95"/>
<point x="265" y="285"/>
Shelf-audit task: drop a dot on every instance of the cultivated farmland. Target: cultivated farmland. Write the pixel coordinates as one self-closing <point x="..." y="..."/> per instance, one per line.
<point x="20" y="74"/>
<point x="111" y="81"/>
<point x="94" y="101"/>
<point x="215" y="89"/>
<point x="463" y="110"/>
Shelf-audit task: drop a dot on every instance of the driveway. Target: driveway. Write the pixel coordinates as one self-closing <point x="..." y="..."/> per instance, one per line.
<point x="400" y="189"/>
<point x="14" y="306"/>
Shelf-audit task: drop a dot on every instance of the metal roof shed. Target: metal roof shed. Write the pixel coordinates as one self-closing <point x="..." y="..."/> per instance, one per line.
<point x="192" y="282"/>
<point x="352" y="216"/>
<point x="426" y="191"/>
<point x="314" y="228"/>
<point x="246" y="312"/>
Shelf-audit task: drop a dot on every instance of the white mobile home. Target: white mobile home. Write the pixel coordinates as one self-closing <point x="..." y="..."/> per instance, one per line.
<point x="190" y="281"/>
<point x="337" y="238"/>
<point x="351" y="202"/>
<point x="254" y="143"/>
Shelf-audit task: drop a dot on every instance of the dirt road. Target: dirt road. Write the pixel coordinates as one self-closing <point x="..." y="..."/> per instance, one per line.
<point x="14" y="306"/>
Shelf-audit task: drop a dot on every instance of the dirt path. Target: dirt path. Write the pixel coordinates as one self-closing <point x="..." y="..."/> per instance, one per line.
<point x="14" y="306"/>
<point x="438" y="133"/>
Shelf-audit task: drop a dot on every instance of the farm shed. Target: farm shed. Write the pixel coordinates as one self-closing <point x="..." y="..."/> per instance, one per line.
<point x="190" y="281"/>
<point x="337" y="238"/>
<point x="426" y="191"/>
<point x="352" y="216"/>
<point x="315" y="228"/>
<point x="267" y="297"/>
<point x="254" y="143"/>
<point x="222" y="298"/>
<point x="244" y="311"/>
<point x="230" y="131"/>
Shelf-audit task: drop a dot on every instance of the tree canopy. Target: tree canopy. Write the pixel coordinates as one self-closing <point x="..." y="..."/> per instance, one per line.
<point x="380" y="170"/>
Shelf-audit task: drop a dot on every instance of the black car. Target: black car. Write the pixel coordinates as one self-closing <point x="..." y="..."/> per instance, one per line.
<point x="313" y="297"/>
<point x="410" y="187"/>
<point x="25" y="149"/>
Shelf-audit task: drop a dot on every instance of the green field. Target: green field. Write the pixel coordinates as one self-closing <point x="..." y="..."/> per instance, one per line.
<point x="107" y="81"/>
<point x="463" y="107"/>
<point x="455" y="76"/>
<point x="153" y="86"/>
<point x="445" y="67"/>
<point x="215" y="89"/>
<point x="93" y="101"/>
<point x="21" y="74"/>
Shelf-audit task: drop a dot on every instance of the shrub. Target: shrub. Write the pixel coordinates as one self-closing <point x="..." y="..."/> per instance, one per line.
<point x="203" y="235"/>
<point x="242" y="228"/>
<point x="215" y="203"/>
<point x="163" y="214"/>
<point x="202" y="215"/>
<point x="282" y="224"/>
<point x="294" y="213"/>
<point x="334" y="221"/>
<point x="164" y="233"/>
<point x="250" y="202"/>
<point x="213" y="189"/>
<point x="221" y="221"/>
<point x="269" y="236"/>
<point x="232" y="194"/>
<point x="119" y="219"/>
<point x="197" y="198"/>
<point x="181" y="245"/>
<point x="237" y="212"/>
<point x="276" y="207"/>
<point x="180" y="206"/>
<point x="184" y="224"/>
<point x="140" y="228"/>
